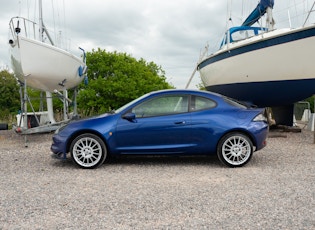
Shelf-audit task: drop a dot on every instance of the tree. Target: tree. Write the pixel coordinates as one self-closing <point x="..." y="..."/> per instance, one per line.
<point x="311" y="101"/>
<point x="10" y="97"/>
<point x="115" y="79"/>
<point x="201" y="86"/>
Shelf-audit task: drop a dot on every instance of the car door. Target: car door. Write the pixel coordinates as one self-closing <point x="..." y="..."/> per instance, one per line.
<point x="160" y="126"/>
<point x="205" y="124"/>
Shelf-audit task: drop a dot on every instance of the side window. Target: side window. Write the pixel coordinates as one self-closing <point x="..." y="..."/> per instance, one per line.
<point x="201" y="103"/>
<point x="242" y="34"/>
<point x="164" y="105"/>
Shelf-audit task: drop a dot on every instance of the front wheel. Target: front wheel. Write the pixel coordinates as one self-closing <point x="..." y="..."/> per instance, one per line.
<point x="88" y="151"/>
<point x="235" y="149"/>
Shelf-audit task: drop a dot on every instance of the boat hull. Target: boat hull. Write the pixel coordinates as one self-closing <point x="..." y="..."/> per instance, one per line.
<point x="272" y="69"/>
<point x="43" y="66"/>
<point x="268" y="93"/>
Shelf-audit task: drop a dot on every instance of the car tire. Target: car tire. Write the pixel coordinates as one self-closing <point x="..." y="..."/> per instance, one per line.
<point x="3" y="126"/>
<point x="235" y="149"/>
<point x="88" y="151"/>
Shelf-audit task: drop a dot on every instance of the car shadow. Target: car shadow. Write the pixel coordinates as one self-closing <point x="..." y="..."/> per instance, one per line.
<point x="141" y="160"/>
<point x="165" y="160"/>
<point x="63" y="163"/>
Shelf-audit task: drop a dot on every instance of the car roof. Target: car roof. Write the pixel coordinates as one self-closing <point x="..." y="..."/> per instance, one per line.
<point x="186" y="91"/>
<point x="212" y="95"/>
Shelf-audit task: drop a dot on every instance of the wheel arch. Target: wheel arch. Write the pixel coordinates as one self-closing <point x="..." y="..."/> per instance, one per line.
<point x="242" y="131"/>
<point x="85" y="131"/>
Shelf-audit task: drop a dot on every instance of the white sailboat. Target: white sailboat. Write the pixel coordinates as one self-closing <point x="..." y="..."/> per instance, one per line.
<point x="263" y="66"/>
<point x="45" y="66"/>
<point x="39" y="64"/>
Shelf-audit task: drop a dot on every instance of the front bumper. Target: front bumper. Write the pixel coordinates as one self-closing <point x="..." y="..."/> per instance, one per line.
<point x="58" y="145"/>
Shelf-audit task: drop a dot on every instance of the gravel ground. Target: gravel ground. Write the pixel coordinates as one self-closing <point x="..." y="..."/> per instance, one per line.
<point x="276" y="190"/>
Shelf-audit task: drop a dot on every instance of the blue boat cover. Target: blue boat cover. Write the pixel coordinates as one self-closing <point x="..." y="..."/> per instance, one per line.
<point x="258" y="12"/>
<point x="251" y="30"/>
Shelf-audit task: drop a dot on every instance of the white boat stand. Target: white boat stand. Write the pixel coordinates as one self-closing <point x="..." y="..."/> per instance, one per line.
<point x="42" y="121"/>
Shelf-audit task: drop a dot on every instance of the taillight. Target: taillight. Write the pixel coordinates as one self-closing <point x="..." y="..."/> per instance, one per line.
<point x="260" y="117"/>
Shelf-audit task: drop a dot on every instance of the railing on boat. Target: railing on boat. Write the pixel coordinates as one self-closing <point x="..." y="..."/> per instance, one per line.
<point x="29" y="29"/>
<point x="25" y="27"/>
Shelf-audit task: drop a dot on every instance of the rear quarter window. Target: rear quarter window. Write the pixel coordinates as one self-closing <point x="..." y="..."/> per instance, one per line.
<point x="202" y="103"/>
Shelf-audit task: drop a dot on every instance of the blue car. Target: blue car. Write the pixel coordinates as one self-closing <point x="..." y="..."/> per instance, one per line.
<point x="167" y="122"/>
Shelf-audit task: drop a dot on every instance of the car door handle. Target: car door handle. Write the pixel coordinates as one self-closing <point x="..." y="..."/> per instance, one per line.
<point x="180" y="122"/>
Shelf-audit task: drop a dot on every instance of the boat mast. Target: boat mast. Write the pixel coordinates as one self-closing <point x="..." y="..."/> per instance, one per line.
<point x="42" y="27"/>
<point x="50" y="108"/>
<point x="270" y="22"/>
<point x="264" y="6"/>
<point x="41" y="30"/>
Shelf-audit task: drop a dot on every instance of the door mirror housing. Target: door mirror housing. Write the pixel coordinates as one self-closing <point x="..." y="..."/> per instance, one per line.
<point x="129" y="117"/>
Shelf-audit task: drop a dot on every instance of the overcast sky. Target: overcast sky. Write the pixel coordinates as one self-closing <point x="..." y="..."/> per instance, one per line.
<point x="170" y="33"/>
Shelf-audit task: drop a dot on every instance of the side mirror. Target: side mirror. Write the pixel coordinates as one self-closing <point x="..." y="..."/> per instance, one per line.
<point x="129" y="117"/>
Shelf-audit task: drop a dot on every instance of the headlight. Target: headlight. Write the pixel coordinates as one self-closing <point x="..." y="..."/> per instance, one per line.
<point x="260" y="117"/>
<point x="60" y="129"/>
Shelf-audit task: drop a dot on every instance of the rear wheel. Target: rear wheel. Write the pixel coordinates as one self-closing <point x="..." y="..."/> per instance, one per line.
<point x="88" y="151"/>
<point x="235" y="149"/>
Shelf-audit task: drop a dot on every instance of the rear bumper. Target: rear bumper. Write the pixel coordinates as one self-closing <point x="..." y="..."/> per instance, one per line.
<point x="261" y="137"/>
